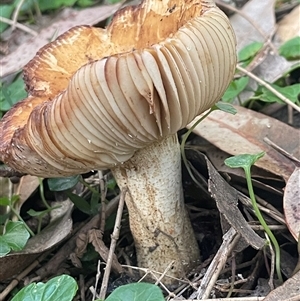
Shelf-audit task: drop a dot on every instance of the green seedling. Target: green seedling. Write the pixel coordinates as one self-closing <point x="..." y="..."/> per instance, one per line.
<point x="10" y="202"/>
<point x="225" y="107"/>
<point x="245" y="161"/>
<point x="40" y="214"/>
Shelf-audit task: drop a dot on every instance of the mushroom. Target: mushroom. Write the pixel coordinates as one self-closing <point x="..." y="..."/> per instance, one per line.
<point x="115" y="98"/>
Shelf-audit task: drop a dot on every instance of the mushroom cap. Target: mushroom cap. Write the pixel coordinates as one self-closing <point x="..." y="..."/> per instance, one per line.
<point x="96" y="96"/>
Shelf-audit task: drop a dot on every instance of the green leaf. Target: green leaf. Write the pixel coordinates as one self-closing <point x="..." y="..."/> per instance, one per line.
<point x="61" y="184"/>
<point x="226" y="107"/>
<point x="4" y="201"/>
<point x="111" y="184"/>
<point x="85" y="3"/>
<point x="14" y="238"/>
<point x="95" y="202"/>
<point x="247" y="54"/>
<point x="291" y="92"/>
<point x="5" y="11"/>
<point x="80" y="202"/>
<point x="62" y="288"/>
<point x="136" y="292"/>
<point x="235" y="88"/>
<point x="291" y="49"/>
<point x="243" y="160"/>
<point x="10" y="95"/>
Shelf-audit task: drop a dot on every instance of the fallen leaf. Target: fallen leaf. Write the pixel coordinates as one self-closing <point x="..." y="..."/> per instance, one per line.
<point x="49" y="237"/>
<point x="95" y="238"/>
<point x="25" y="188"/>
<point x="68" y="18"/>
<point x="289" y="26"/>
<point x="262" y="14"/>
<point x="290" y="290"/>
<point x="291" y="203"/>
<point x="244" y="133"/>
<point x="226" y="198"/>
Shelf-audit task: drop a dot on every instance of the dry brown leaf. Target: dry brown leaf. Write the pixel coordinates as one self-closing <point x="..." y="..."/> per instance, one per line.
<point x="262" y="14"/>
<point x="15" y="262"/>
<point x="25" y="188"/>
<point x="95" y="237"/>
<point x="226" y="198"/>
<point x="271" y="65"/>
<point x="291" y="203"/>
<point x="289" y="26"/>
<point x="290" y="290"/>
<point x="245" y="132"/>
<point x="68" y="18"/>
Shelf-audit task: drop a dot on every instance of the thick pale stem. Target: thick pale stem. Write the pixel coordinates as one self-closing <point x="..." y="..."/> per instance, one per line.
<point x="159" y="222"/>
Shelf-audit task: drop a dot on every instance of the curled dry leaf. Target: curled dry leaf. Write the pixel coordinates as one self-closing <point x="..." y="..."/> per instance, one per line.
<point x="287" y="291"/>
<point x="291" y="203"/>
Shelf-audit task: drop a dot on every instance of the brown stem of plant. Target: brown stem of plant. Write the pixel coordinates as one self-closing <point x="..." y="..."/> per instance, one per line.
<point x="114" y="239"/>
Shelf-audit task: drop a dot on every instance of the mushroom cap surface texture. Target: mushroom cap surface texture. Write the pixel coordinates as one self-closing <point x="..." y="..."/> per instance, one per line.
<point x="96" y="96"/>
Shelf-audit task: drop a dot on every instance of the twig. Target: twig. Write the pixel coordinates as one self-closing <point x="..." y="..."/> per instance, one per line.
<point x="103" y="191"/>
<point x="230" y="238"/>
<point x="282" y="151"/>
<point x="55" y="262"/>
<point x="19" y="25"/>
<point x="246" y="17"/>
<point x="272" y="270"/>
<point x="114" y="239"/>
<point x="269" y="87"/>
<point x="16" y="14"/>
<point x="21" y="276"/>
<point x="97" y="280"/>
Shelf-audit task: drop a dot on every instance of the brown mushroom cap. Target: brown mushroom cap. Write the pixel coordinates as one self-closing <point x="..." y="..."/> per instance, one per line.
<point x="96" y="96"/>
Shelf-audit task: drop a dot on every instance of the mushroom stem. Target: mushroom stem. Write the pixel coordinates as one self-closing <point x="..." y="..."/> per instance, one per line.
<point x="159" y="222"/>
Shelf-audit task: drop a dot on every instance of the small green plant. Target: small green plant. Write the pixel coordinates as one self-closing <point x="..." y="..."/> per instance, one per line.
<point x="290" y="50"/>
<point x="245" y="161"/>
<point x="225" y="107"/>
<point x="10" y="203"/>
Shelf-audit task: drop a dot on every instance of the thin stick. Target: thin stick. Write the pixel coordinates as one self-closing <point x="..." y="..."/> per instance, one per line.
<point x="16" y="14"/>
<point x="230" y="239"/>
<point x="282" y="151"/>
<point x="114" y="239"/>
<point x="97" y="280"/>
<point x="103" y="191"/>
<point x="19" y="25"/>
<point x="269" y="87"/>
<point x="22" y="275"/>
